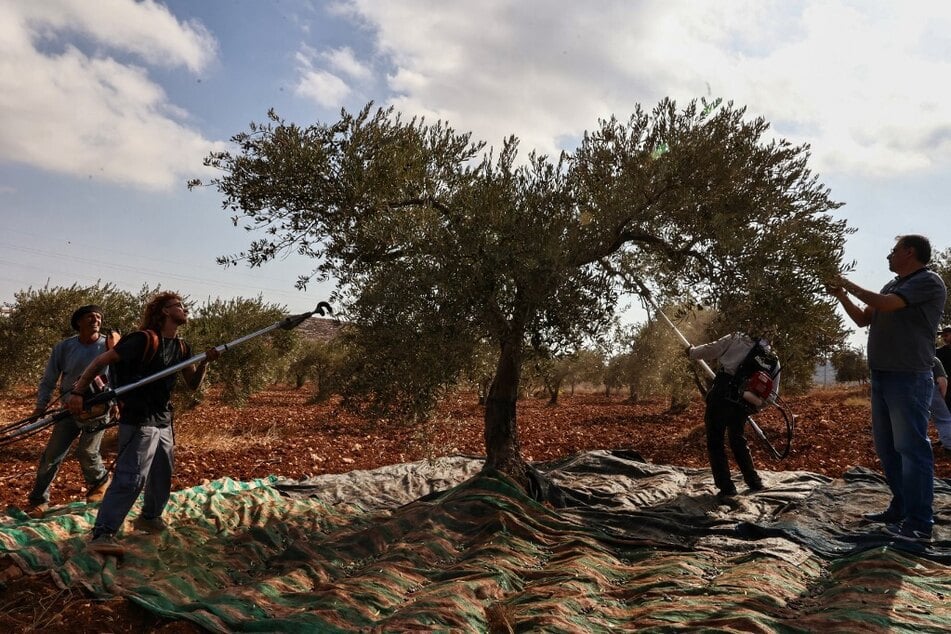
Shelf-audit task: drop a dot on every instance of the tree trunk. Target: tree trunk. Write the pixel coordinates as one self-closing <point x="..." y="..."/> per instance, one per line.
<point x="503" y="452"/>
<point x="502" y="448"/>
<point x="632" y="394"/>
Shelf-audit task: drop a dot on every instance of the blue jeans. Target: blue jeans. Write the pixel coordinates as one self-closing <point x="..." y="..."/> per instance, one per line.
<point x="901" y="402"/>
<point x="87" y="452"/>
<point x="146" y="455"/>
<point x="942" y="418"/>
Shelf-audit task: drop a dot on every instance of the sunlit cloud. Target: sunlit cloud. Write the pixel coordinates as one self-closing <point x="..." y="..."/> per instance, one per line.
<point x="97" y="113"/>
<point x="863" y="84"/>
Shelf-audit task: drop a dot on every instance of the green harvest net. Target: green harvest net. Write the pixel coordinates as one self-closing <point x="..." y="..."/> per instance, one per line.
<point x="440" y="545"/>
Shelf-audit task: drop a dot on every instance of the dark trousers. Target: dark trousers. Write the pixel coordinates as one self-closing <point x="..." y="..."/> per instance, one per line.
<point x="723" y="416"/>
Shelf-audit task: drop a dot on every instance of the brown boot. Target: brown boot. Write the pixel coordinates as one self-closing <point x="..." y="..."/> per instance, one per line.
<point x="106" y="546"/>
<point x="95" y="494"/>
<point x="37" y="511"/>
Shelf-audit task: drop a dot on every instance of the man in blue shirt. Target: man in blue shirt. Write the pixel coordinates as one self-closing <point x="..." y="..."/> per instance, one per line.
<point x="902" y="320"/>
<point x="67" y="361"/>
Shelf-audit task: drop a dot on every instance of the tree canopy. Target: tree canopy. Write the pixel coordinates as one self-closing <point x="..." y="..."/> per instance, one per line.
<point x="438" y="243"/>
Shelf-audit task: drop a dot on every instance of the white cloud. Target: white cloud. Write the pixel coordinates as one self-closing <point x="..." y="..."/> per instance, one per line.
<point x="322" y="87"/>
<point x="863" y="83"/>
<point x="146" y="29"/>
<point x="344" y="60"/>
<point x="92" y="114"/>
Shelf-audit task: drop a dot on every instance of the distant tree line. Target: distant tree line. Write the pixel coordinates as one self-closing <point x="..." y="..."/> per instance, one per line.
<point x="39" y="318"/>
<point x="643" y="360"/>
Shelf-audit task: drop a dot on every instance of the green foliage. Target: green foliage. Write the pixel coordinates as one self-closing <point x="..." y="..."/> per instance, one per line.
<point x="39" y="319"/>
<point x="555" y="370"/>
<point x="586" y="366"/>
<point x="439" y="245"/>
<point x="478" y="371"/>
<point x="850" y="365"/>
<point x="395" y="368"/>
<point x="620" y="370"/>
<point x="655" y="363"/>
<point x="320" y="362"/>
<point x="250" y="366"/>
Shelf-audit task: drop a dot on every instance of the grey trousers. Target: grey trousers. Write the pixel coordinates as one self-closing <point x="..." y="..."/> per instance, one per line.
<point x="146" y="456"/>
<point x="87" y="452"/>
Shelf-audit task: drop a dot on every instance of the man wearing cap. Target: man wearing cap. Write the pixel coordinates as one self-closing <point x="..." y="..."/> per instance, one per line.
<point x="901" y="320"/>
<point x="67" y="361"/>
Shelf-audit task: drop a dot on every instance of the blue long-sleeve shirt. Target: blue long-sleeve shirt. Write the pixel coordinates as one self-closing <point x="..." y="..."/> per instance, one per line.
<point x="66" y="363"/>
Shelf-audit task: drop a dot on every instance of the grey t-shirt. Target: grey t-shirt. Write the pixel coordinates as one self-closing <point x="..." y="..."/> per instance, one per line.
<point x="938" y="369"/>
<point x="903" y="340"/>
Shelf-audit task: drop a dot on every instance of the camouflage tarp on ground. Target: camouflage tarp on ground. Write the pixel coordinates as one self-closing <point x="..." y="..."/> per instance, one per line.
<point x="647" y="547"/>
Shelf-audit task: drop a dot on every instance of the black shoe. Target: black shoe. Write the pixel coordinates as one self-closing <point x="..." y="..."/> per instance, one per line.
<point x="905" y="532"/>
<point x="152" y="525"/>
<point x="756" y="486"/>
<point x="726" y="494"/>
<point x="888" y="516"/>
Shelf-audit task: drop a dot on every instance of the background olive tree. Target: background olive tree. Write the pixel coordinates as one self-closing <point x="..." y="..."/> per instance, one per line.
<point x="321" y="363"/>
<point x="653" y="362"/>
<point x="39" y="319"/>
<point x="438" y="244"/>
<point x="555" y="370"/>
<point x="247" y="368"/>
<point x="850" y="365"/>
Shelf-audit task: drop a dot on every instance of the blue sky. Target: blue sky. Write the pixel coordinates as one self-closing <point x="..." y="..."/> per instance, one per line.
<point x="109" y="107"/>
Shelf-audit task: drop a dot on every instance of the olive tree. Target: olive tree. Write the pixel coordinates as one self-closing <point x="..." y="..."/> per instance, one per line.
<point x="437" y="243"/>
<point x="850" y="365"/>
<point x="39" y="318"/>
<point x="246" y="369"/>
<point x="320" y="362"/>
